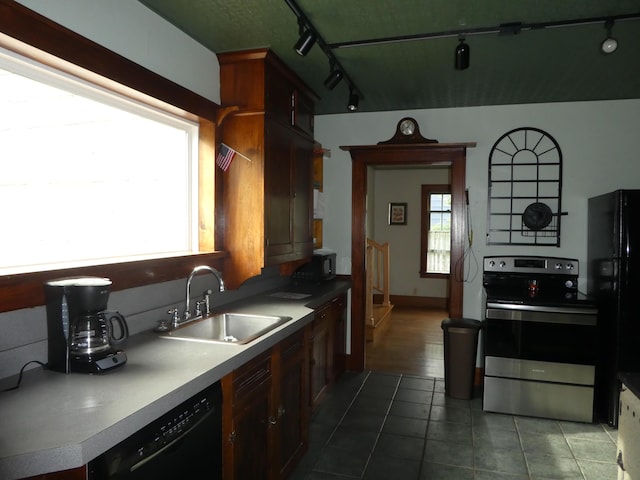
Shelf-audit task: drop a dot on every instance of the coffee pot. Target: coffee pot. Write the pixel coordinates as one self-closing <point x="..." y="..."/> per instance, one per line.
<point x="83" y="336"/>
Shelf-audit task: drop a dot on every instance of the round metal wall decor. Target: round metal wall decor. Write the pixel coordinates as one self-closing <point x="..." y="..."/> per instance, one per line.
<point x="525" y="187"/>
<point x="537" y="216"/>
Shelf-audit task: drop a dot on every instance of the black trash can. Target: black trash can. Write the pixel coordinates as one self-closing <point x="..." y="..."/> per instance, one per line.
<point x="460" y="350"/>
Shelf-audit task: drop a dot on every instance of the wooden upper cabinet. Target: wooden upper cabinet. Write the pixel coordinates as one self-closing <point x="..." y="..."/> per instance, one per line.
<point x="268" y="199"/>
<point x="259" y="80"/>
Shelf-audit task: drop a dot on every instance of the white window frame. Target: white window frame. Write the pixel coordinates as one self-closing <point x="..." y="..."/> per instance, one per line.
<point x="154" y="110"/>
<point x="426" y="243"/>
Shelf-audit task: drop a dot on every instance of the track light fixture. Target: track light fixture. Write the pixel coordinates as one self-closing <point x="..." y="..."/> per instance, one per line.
<point x="609" y="44"/>
<point x="305" y="43"/>
<point x="462" y="54"/>
<point x="354" y="100"/>
<point x="513" y="28"/>
<point x="334" y="78"/>
<point x="308" y="37"/>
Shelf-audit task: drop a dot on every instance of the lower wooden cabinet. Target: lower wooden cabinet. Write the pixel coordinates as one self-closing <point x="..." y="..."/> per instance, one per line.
<point x="266" y="412"/>
<point x="293" y="403"/>
<point x="319" y="355"/>
<point x="267" y="401"/>
<point x="247" y="422"/>
<point x="327" y="347"/>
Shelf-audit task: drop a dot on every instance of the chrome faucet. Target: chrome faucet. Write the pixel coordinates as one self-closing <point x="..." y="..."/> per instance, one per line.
<point x="194" y="272"/>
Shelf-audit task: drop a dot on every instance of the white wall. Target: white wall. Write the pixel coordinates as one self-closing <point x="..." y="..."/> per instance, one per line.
<point x="600" y="153"/>
<point x="132" y="30"/>
<point x="405" y="186"/>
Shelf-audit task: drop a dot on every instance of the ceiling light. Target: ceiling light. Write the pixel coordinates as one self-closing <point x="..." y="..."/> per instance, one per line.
<point x="610" y="44"/>
<point x="305" y="42"/>
<point x="334" y="78"/>
<point x="462" y="55"/>
<point x="354" y="100"/>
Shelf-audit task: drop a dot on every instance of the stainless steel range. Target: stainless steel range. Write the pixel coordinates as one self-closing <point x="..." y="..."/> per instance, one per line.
<point x="541" y="339"/>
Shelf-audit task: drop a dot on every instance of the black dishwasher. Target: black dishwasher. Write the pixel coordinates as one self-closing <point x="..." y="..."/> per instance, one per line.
<point x="186" y="442"/>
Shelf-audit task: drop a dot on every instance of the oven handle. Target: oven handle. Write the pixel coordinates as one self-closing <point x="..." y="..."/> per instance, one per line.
<point x="548" y="316"/>
<point x="541" y="308"/>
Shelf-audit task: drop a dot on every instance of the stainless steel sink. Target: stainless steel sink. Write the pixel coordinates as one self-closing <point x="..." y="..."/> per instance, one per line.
<point x="238" y="328"/>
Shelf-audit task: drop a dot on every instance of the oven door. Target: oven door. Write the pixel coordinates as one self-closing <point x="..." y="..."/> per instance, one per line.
<point x="540" y="361"/>
<point x="548" y="334"/>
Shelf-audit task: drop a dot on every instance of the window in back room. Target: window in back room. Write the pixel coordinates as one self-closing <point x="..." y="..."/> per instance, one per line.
<point x="89" y="176"/>
<point x="435" y="259"/>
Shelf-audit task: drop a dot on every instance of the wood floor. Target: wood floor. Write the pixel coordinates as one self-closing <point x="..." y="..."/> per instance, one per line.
<point x="412" y="345"/>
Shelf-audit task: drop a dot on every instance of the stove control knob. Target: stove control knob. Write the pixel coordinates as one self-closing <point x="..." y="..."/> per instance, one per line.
<point x="502" y="264"/>
<point x="570" y="266"/>
<point x="492" y="263"/>
<point x="558" y="266"/>
<point x="569" y="284"/>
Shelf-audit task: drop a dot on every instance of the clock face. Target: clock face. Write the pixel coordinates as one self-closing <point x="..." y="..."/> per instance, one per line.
<point x="407" y="127"/>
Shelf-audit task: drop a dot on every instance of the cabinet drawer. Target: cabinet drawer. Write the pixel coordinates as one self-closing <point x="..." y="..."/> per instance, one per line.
<point x="292" y="346"/>
<point x="251" y="377"/>
<point x="320" y="315"/>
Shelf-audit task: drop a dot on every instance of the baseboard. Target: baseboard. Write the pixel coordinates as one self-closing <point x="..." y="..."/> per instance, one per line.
<point x="415" y="301"/>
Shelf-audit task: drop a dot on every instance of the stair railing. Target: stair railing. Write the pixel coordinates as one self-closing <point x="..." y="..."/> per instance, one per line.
<point x="377" y="278"/>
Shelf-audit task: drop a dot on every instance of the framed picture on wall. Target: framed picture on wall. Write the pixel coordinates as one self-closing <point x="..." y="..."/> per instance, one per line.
<point x="397" y="213"/>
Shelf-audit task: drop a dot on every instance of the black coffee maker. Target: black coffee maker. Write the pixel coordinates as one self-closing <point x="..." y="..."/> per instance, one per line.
<point x="83" y="335"/>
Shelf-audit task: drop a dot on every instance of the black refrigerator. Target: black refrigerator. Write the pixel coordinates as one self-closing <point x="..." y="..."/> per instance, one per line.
<point x="613" y="251"/>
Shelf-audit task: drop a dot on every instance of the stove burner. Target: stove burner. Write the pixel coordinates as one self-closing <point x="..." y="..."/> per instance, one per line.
<point x="548" y="281"/>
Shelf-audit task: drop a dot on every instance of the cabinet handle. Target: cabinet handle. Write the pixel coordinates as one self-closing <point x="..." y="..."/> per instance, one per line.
<point x="619" y="461"/>
<point x="272" y="421"/>
<point x="232" y="437"/>
<point x="281" y="411"/>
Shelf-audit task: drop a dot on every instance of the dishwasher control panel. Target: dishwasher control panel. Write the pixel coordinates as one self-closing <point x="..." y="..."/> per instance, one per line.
<point x="169" y="442"/>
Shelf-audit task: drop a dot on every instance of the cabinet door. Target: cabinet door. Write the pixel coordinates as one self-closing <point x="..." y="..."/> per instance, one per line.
<point x="250" y="437"/>
<point x="302" y="149"/>
<point x="288" y="185"/>
<point x="293" y="405"/>
<point x="279" y="96"/>
<point x="248" y="420"/>
<point x="319" y="354"/>
<point x="339" y="306"/>
<point x="278" y="186"/>
<point x="303" y="112"/>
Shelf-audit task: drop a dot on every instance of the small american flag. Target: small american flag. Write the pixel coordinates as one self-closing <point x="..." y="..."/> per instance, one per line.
<point x="225" y="156"/>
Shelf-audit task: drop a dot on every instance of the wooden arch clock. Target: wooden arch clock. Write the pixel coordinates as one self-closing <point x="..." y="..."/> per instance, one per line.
<point x="407" y="131"/>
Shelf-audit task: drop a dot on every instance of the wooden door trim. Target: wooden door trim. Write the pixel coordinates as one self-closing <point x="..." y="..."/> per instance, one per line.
<point x="453" y="155"/>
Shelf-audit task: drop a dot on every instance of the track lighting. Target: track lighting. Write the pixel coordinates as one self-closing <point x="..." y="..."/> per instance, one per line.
<point x="305" y="43"/>
<point x="334" y="78"/>
<point x="462" y="55"/>
<point x="354" y="100"/>
<point x="309" y="36"/>
<point x="610" y="44"/>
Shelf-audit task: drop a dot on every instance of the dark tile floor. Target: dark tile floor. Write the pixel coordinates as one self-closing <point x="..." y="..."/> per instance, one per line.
<point x="385" y="426"/>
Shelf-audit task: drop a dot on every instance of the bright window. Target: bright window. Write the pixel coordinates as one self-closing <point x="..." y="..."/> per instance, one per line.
<point x="88" y="176"/>
<point x="436" y="230"/>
